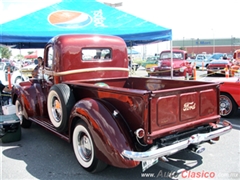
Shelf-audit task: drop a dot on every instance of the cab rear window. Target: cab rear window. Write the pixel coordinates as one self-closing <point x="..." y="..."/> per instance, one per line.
<point x="96" y="54"/>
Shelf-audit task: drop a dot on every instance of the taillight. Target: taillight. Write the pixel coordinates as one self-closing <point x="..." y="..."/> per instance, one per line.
<point x="140" y="133"/>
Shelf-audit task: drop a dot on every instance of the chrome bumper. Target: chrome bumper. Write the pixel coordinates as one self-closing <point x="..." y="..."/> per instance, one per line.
<point x="171" y="149"/>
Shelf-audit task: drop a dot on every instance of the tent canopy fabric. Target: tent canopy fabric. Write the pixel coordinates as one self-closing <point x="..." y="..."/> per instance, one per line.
<point x="35" y="29"/>
<point x="34" y="55"/>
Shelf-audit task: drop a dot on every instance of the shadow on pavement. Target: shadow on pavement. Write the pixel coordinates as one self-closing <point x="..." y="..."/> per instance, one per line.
<point x="234" y="120"/>
<point x="42" y="155"/>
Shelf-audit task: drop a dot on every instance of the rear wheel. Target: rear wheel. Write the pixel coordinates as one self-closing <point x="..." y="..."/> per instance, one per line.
<point x="84" y="149"/>
<point x="228" y="106"/>
<point x="25" y="123"/>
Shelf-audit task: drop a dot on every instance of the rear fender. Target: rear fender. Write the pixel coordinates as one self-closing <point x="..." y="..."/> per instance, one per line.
<point x="109" y="137"/>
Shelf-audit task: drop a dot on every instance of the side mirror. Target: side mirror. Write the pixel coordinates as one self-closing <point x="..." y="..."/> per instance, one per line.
<point x="235" y="55"/>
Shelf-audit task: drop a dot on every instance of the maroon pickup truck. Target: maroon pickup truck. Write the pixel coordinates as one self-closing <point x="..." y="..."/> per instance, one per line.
<point x="86" y="97"/>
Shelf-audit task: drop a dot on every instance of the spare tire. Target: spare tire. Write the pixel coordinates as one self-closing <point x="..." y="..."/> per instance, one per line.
<point x="59" y="104"/>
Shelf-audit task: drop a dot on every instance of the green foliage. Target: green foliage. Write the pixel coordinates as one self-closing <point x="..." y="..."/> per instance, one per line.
<point x="5" y="52"/>
<point x="30" y="52"/>
<point x="138" y="61"/>
<point x="19" y="56"/>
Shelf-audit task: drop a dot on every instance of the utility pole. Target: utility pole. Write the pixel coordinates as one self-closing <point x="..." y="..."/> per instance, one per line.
<point x="213" y="41"/>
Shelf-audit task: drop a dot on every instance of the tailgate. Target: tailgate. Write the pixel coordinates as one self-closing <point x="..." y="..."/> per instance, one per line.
<point x="179" y="109"/>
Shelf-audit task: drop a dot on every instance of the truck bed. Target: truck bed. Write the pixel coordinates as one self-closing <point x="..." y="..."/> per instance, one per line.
<point x="160" y="106"/>
<point x="149" y="84"/>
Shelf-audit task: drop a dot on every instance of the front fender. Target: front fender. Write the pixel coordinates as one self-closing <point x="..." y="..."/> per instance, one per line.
<point x="27" y="94"/>
<point x="109" y="136"/>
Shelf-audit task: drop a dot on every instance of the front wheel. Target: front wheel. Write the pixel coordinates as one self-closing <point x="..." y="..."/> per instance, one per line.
<point x="25" y="123"/>
<point x="228" y="106"/>
<point x="18" y="80"/>
<point x="84" y="149"/>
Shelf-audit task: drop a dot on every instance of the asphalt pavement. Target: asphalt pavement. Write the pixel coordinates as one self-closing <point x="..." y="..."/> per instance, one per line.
<point x="42" y="155"/>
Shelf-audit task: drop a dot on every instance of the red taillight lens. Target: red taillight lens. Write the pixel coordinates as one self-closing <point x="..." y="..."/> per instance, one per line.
<point x="140" y="133"/>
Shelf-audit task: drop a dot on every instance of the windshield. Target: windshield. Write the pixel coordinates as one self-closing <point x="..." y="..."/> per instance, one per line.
<point x="217" y="56"/>
<point x="167" y="55"/>
<point x="153" y="58"/>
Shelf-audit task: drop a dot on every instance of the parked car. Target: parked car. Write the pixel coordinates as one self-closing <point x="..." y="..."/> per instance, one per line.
<point x="23" y="73"/>
<point x="229" y="97"/>
<point x="202" y="60"/>
<point x="219" y="67"/>
<point x="207" y="59"/>
<point x="152" y="60"/>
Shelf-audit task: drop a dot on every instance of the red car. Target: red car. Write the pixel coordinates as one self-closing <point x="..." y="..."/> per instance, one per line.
<point x="219" y="67"/>
<point x="229" y="97"/>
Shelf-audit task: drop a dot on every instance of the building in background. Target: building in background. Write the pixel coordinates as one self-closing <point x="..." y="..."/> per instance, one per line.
<point x="196" y="45"/>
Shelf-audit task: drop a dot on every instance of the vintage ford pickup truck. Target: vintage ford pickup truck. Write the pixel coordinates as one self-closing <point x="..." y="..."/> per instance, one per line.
<point x="86" y="97"/>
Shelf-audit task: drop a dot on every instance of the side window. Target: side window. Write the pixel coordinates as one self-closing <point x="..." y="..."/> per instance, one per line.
<point x="96" y="54"/>
<point x="49" y="64"/>
<point x="50" y="57"/>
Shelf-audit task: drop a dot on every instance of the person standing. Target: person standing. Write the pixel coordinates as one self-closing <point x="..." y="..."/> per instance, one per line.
<point x="129" y="62"/>
<point x="39" y="67"/>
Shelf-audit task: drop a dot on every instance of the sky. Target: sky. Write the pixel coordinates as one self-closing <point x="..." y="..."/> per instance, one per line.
<point x="203" y="19"/>
<point x="187" y="18"/>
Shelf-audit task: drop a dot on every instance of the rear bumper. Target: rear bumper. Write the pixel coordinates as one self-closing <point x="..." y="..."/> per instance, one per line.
<point x="171" y="149"/>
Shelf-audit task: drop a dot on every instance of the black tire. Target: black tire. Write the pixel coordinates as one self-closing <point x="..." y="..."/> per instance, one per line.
<point x="24" y="122"/>
<point x="208" y="74"/>
<point x="227" y="105"/>
<point x="59" y="104"/>
<point x="84" y="149"/>
<point x="18" y="80"/>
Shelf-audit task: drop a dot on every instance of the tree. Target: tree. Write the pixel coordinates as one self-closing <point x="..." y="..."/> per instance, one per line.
<point x="30" y="52"/>
<point x="19" y="57"/>
<point x="5" y="52"/>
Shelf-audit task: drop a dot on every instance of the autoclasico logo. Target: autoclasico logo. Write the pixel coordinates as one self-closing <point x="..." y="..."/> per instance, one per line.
<point x="69" y="19"/>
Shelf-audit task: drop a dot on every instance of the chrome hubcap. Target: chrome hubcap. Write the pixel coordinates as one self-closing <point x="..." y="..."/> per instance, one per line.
<point x="56" y="109"/>
<point x="225" y="106"/>
<point x="85" y="147"/>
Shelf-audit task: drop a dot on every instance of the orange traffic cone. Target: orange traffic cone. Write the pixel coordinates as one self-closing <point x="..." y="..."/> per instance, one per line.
<point x="226" y="72"/>
<point x="194" y="72"/>
<point x="9" y="79"/>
